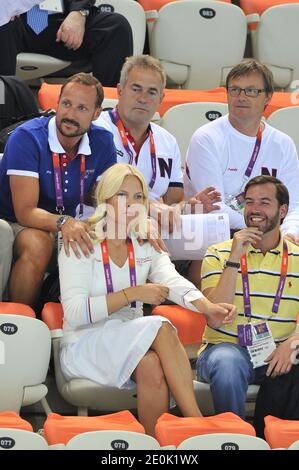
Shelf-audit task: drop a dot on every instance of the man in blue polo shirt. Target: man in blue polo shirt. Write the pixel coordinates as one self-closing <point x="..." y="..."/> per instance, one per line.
<point x="50" y="165"/>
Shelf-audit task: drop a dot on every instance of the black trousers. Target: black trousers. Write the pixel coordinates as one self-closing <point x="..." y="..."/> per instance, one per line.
<point x="107" y="42"/>
<point x="278" y="397"/>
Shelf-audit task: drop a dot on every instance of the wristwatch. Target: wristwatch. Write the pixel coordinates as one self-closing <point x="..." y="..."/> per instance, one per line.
<point x="61" y="221"/>
<point x="231" y="264"/>
<point x="84" y="13"/>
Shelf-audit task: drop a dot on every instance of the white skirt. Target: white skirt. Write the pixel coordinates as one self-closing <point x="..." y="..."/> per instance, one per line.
<point x="108" y="355"/>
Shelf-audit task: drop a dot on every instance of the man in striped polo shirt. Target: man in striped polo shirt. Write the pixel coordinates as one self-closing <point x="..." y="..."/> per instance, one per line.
<point x="258" y="271"/>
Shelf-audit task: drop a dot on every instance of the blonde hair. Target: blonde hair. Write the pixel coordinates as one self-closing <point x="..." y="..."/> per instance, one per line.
<point x="110" y="183"/>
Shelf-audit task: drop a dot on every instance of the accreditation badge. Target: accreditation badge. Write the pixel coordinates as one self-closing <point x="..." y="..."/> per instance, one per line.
<point x="262" y="344"/>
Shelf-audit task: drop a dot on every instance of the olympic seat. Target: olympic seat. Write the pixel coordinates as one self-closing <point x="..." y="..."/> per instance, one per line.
<point x="31" y="65"/>
<point x="224" y="441"/>
<point x="197" y="61"/>
<point x="276" y="42"/>
<point x="82" y="393"/>
<point x="17" y="434"/>
<point x="157" y="4"/>
<point x="183" y="120"/>
<point x="117" y="431"/>
<point x="281" y="433"/>
<point x="135" y="15"/>
<point x="190" y="327"/>
<point x="259" y="6"/>
<point x="287" y="120"/>
<point x="25" y="346"/>
<point x="173" y="430"/>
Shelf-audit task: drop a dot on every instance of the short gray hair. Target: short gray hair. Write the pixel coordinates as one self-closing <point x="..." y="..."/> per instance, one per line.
<point x="144" y="61"/>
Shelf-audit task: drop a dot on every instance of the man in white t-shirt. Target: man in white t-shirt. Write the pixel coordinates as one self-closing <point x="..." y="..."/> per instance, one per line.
<point x="229" y="151"/>
<point x="145" y="144"/>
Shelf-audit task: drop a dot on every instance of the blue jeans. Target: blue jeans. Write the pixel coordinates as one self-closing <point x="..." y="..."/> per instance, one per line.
<point x="228" y="370"/>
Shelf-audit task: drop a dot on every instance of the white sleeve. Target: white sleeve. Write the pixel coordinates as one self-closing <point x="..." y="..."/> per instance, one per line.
<point x="181" y="291"/>
<point x="203" y="164"/>
<point x="289" y="175"/>
<point x="76" y="277"/>
<point x="176" y="172"/>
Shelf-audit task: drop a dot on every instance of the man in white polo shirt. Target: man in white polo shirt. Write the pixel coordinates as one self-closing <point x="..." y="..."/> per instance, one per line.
<point x="148" y="146"/>
<point x="143" y="143"/>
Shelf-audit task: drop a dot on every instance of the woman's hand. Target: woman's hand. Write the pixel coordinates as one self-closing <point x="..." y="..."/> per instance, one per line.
<point x="221" y="314"/>
<point x="154" y="294"/>
<point x="216" y="314"/>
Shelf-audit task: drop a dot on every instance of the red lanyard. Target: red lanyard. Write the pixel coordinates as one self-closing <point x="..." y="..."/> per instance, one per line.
<point x="245" y="281"/>
<point x="115" y="118"/>
<point x="107" y="268"/>
<point x="58" y="183"/>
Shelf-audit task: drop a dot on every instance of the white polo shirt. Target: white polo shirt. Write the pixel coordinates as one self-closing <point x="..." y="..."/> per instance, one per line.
<point x="169" y="172"/>
<point x="218" y="155"/>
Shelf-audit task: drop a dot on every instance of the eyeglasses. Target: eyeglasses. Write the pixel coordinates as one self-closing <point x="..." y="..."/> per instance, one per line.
<point x="251" y="92"/>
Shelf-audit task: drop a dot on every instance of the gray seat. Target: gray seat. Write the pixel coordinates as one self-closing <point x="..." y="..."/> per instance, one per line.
<point x="25" y="347"/>
<point x="82" y="393"/>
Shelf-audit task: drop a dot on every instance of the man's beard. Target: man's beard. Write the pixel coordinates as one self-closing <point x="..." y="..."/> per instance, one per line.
<point x="266" y="225"/>
<point x="77" y="133"/>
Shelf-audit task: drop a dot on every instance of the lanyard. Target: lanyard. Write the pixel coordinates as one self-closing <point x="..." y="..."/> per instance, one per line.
<point x="245" y="281"/>
<point x="115" y="118"/>
<point x="255" y="153"/>
<point x="58" y="183"/>
<point x="107" y="269"/>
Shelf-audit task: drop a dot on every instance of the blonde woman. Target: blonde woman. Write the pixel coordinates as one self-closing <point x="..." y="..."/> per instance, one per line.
<point x="106" y="337"/>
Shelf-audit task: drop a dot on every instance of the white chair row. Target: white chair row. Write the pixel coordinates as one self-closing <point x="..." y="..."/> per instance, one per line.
<point x="16" y="439"/>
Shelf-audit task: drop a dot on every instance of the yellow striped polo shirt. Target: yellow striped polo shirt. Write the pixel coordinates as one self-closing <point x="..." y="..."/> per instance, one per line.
<point x="264" y="275"/>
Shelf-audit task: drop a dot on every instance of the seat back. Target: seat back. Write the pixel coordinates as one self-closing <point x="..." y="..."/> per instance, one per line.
<point x="157" y="4"/>
<point x="135" y="15"/>
<point x="183" y="120"/>
<point x="190" y="326"/>
<point x="197" y="61"/>
<point x="287" y="120"/>
<point x="112" y="440"/>
<point x="224" y="441"/>
<point x="83" y="393"/>
<point x="25" y="346"/>
<point x="277" y="43"/>
<point x="19" y="439"/>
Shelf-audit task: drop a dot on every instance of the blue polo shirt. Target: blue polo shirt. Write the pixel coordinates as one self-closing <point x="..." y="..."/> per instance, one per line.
<point x="29" y="153"/>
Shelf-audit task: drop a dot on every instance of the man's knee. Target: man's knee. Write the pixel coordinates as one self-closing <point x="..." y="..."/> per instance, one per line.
<point x="34" y="245"/>
<point x="224" y="360"/>
<point x="149" y="370"/>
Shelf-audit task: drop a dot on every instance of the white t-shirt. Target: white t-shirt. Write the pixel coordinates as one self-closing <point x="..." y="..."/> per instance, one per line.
<point x="218" y="155"/>
<point x="169" y="172"/>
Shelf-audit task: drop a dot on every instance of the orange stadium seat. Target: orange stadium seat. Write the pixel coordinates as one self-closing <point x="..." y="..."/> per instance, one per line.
<point x="281" y="433"/>
<point x="60" y="429"/>
<point x="48" y="97"/>
<point x="17" y="434"/>
<point x="172" y="430"/>
<point x="190" y="325"/>
<point x="10" y="419"/>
